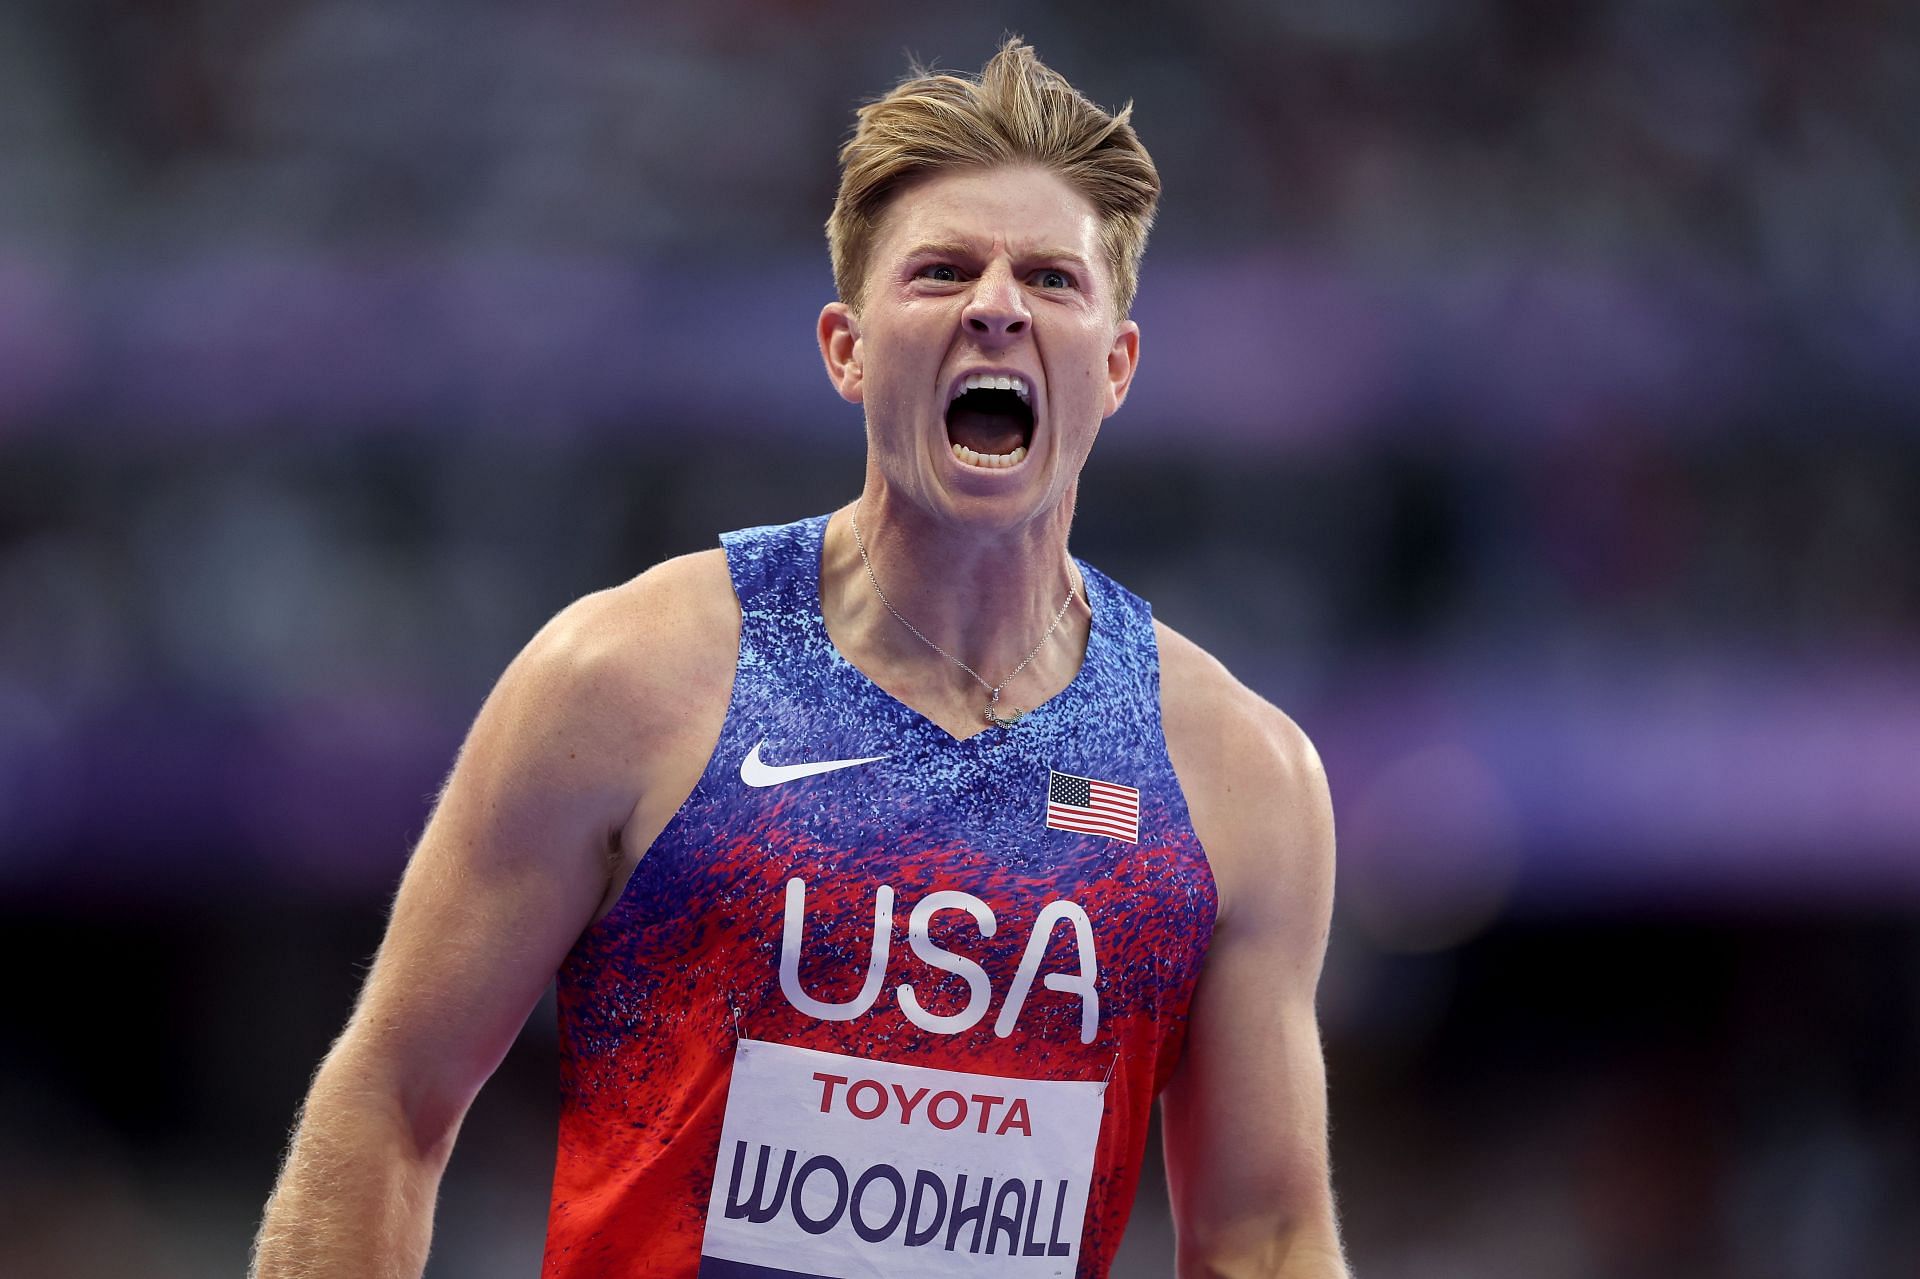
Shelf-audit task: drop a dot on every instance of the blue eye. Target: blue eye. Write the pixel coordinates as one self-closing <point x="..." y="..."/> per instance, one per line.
<point x="941" y="272"/>
<point x="1054" y="279"/>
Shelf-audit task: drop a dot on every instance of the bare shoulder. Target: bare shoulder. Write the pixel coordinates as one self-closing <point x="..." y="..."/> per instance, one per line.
<point x="608" y="695"/>
<point x="651" y="642"/>
<point x="1253" y="781"/>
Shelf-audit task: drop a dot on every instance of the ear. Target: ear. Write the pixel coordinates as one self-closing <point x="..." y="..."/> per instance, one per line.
<point x="840" y="347"/>
<point x="1122" y="359"/>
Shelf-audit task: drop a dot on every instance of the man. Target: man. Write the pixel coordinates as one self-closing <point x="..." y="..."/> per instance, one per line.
<point x="864" y="968"/>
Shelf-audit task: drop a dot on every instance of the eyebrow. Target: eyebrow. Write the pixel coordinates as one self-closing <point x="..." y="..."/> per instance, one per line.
<point x="953" y="248"/>
<point x="957" y="248"/>
<point x="1059" y="255"/>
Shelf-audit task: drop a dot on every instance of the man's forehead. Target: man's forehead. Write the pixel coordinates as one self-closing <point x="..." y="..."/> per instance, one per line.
<point x="1028" y="211"/>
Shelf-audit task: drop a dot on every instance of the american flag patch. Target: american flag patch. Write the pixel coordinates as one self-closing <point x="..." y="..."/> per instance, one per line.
<point x="1093" y="807"/>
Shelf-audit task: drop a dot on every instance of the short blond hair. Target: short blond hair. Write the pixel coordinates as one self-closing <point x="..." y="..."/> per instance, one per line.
<point x="1019" y="111"/>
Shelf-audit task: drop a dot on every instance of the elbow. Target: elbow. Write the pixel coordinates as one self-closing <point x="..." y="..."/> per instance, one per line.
<point x="361" y="1090"/>
<point x="1268" y="1249"/>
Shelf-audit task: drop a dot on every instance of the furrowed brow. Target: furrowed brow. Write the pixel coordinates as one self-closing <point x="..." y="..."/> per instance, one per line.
<point x="1067" y="256"/>
<point x="940" y="249"/>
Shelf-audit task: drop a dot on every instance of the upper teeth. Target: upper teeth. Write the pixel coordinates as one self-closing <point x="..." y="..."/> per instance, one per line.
<point x="996" y="382"/>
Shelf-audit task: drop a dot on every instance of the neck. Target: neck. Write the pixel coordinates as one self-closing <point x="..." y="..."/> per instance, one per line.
<point x="985" y="596"/>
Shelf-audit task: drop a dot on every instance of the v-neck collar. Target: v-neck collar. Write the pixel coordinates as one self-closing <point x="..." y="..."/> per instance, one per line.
<point x="1042" y="717"/>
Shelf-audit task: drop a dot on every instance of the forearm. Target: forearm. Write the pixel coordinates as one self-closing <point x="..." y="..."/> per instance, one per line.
<point x="356" y="1195"/>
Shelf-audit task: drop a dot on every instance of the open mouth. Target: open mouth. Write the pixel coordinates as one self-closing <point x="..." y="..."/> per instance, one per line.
<point x="990" y="420"/>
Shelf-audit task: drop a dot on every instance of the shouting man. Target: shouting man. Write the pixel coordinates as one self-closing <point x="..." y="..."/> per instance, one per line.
<point x="891" y="862"/>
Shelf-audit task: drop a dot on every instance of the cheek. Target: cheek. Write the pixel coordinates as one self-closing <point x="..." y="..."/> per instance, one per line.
<point x="894" y="414"/>
<point x="895" y="401"/>
<point x="1089" y="384"/>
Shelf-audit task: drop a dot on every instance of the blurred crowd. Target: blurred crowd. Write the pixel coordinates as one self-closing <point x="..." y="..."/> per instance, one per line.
<point x="1770" y="139"/>
<point x="1528" y="407"/>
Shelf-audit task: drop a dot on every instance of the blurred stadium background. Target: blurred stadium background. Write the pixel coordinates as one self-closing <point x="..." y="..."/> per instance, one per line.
<point x="1528" y="405"/>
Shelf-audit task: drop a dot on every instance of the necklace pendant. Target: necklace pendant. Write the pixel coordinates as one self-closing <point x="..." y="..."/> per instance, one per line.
<point x="998" y="720"/>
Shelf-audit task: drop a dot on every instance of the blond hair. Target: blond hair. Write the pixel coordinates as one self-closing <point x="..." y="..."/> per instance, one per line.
<point x="1019" y="111"/>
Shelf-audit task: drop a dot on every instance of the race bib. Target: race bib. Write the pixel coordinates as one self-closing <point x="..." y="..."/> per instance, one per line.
<point x="836" y="1167"/>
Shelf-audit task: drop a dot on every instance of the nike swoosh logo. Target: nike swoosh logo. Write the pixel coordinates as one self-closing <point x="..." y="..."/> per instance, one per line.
<point x="756" y="773"/>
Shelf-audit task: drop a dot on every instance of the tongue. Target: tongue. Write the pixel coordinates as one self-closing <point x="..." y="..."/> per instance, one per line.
<point x="984" y="431"/>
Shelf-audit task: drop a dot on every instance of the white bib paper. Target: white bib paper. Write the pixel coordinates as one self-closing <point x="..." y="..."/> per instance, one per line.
<point x="835" y="1167"/>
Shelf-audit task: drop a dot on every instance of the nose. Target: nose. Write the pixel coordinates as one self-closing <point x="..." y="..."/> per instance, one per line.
<point x="997" y="308"/>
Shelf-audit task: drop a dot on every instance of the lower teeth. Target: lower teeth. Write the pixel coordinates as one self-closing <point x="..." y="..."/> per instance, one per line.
<point x="990" y="460"/>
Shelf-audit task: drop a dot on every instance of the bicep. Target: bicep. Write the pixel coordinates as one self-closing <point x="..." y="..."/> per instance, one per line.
<point x="510" y="869"/>
<point x="1246" y="1113"/>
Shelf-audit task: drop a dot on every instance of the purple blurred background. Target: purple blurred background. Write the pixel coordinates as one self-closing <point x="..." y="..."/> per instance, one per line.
<point x="1528" y="405"/>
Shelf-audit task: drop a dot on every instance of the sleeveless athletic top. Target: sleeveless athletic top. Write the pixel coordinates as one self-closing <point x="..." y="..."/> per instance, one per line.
<point x="879" y="1001"/>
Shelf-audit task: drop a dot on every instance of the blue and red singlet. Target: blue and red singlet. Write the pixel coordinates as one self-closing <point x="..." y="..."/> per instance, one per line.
<point x="879" y="1001"/>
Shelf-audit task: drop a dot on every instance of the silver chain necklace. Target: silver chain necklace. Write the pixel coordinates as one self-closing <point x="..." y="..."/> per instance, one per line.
<point x="993" y="715"/>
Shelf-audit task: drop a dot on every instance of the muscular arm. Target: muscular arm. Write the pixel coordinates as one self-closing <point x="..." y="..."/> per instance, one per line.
<point x="1246" y="1114"/>
<point x="517" y="858"/>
